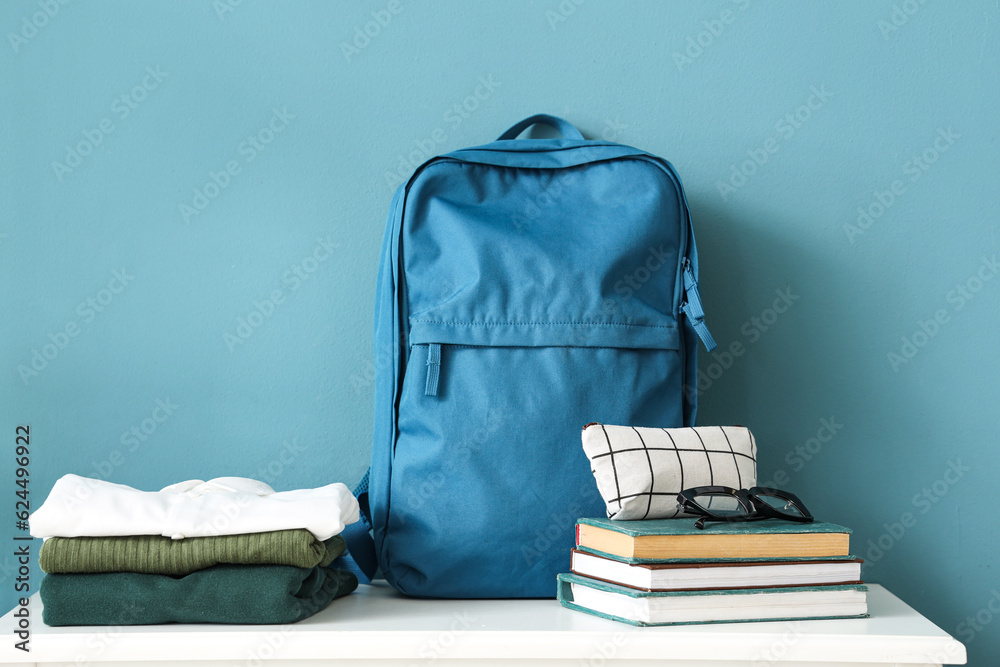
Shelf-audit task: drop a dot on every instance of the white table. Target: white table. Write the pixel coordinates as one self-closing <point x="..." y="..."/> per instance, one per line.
<point x="375" y="627"/>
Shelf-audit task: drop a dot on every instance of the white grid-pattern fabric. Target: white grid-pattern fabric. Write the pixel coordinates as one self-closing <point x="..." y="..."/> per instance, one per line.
<point x="640" y="471"/>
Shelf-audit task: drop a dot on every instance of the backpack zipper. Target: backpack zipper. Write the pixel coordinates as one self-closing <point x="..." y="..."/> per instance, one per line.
<point x="693" y="309"/>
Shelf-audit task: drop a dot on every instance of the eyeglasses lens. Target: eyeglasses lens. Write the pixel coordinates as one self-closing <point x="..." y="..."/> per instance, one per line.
<point x="721" y="504"/>
<point x="781" y="504"/>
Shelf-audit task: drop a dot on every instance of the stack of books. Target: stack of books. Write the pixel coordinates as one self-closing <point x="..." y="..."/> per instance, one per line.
<point x="668" y="572"/>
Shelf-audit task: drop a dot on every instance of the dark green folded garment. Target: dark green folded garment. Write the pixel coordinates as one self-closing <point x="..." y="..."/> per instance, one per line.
<point x="222" y="594"/>
<point x="155" y="554"/>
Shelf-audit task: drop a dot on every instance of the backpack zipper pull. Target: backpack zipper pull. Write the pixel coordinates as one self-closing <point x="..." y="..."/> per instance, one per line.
<point x="433" y="369"/>
<point x="693" y="309"/>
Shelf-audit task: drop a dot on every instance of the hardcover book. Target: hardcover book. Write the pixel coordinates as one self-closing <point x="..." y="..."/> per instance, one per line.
<point x="677" y="540"/>
<point x="715" y="574"/>
<point x="629" y="605"/>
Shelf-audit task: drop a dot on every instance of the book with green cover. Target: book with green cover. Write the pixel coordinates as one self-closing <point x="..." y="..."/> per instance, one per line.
<point x="629" y="605"/>
<point x="677" y="540"/>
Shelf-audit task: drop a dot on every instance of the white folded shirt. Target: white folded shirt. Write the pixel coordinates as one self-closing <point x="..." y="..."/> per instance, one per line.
<point x="85" y="507"/>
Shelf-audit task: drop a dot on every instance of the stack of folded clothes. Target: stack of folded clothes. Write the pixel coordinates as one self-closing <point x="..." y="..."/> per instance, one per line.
<point x="230" y="550"/>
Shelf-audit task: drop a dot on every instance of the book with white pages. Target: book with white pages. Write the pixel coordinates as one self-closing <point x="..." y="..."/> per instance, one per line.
<point x="629" y="605"/>
<point x="717" y="575"/>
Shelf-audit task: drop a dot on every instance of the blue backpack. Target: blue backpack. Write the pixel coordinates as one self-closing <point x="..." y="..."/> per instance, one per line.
<point x="526" y="288"/>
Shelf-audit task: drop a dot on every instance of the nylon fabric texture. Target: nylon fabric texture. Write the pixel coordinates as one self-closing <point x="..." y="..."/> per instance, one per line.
<point x="526" y="288"/>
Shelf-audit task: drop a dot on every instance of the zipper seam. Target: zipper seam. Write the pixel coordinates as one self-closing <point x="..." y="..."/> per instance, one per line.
<point x="540" y="347"/>
<point x="551" y="324"/>
<point x="484" y="148"/>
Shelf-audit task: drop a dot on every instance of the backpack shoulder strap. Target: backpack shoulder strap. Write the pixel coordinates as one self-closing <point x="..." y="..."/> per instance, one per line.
<point x="360" y="555"/>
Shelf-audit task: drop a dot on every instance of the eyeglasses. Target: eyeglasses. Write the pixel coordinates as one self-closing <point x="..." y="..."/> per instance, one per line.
<point x="723" y="503"/>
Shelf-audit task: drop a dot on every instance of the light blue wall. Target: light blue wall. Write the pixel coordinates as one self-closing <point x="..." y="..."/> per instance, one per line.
<point x="711" y="86"/>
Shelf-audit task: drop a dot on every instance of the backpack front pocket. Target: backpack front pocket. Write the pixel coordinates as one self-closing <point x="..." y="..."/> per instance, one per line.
<point x="520" y="411"/>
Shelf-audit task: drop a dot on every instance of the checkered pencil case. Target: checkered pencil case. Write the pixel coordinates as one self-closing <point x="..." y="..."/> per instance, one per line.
<point x="640" y="471"/>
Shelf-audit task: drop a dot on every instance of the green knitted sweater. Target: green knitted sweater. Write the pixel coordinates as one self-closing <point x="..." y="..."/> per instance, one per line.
<point x="155" y="554"/>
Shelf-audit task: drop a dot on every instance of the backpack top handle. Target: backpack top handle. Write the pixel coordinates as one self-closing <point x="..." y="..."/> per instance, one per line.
<point x="565" y="128"/>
